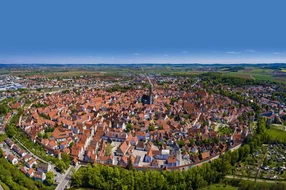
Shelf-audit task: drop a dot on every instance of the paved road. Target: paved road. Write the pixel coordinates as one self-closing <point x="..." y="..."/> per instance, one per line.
<point x="66" y="178"/>
<point x="1" y="188"/>
<point x="253" y="179"/>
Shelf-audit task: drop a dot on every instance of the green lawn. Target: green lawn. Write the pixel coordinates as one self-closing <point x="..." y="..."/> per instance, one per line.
<point x="49" y="134"/>
<point x="219" y="186"/>
<point x="277" y="134"/>
<point x="3" y="137"/>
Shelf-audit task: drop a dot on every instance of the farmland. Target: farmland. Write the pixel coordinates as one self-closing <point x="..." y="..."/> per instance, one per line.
<point x="258" y="74"/>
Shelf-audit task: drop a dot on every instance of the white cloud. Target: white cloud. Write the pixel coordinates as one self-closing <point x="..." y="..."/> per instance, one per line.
<point x="250" y="51"/>
<point x="136" y="54"/>
<point x="278" y="53"/>
<point x="185" y="51"/>
<point x="233" y="52"/>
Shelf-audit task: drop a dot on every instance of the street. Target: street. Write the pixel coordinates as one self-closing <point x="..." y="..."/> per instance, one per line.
<point x="66" y="178"/>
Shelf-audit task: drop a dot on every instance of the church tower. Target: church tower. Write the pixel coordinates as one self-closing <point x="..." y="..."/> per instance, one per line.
<point x="151" y="98"/>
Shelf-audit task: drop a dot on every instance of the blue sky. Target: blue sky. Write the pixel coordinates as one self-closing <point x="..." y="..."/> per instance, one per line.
<point x="129" y="31"/>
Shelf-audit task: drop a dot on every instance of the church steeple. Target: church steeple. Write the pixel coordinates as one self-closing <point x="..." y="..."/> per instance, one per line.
<point x="151" y="99"/>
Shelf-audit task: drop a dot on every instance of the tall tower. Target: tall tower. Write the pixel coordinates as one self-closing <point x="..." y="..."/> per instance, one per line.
<point x="151" y="94"/>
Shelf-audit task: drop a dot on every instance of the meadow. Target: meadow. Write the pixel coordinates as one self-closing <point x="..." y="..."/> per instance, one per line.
<point x="276" y="134"/>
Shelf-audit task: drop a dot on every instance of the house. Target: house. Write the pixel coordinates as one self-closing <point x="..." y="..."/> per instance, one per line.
<point x="31" y="163"/>
<point x="12" y="159"/>
<point x="23" y="169"/>
<point x="141" y="135"/>
<point x="40" y="176"/>
<point x="186" y="156"/>
<point x="65" y="144"/>
<point x="123" y="161"/>
<point x="106" y="159"/>
<point x="16" y="149"/>
<point x="122" y="149"/>
<point x="22" y="153"/>
<point x="114" y="136"/>
<point x="61" y="134"/>
<point x="132" y="140"/>
<point x="237" y="138"/>
<point x="140" y="145"/>
<point x="9" y="143"/>
<point x="77" y="150"/>
<point x="52" y="144"/>
<point x="30" y="172"/>
<point x="162" y="155"/>
<point x="75" y="161"/>
<point x="148" y="156"/>
<point x="89" y="156"/>
<point x="205" y="155"/>
<point x="154" y="163"/>
<point x="42" y="167"/>
<point x="172" y="161"/>
<point x="27" y="158"/>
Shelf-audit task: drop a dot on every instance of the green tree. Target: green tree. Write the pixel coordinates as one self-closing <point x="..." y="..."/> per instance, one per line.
<point x="50" y="178"/>
<point x="10" y="130"/>
<point x="129" y="164"/>
<point x="3" y="109"/>
<point x="66" y="159"/>
<point x="151" y="128"/>
<point x="181" y="143"/>
<point x="234" y="157"/>
<point x="108" y="149"/>
<point x="61" y="166"/>
<point x="40" y="135"/>
<point x="128" y="127"/>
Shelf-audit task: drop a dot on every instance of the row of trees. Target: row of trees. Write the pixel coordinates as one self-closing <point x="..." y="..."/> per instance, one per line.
<point x="105" y="177"/>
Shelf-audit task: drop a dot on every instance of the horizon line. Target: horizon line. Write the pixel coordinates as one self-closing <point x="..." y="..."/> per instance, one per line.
<point x="143" y="63"/>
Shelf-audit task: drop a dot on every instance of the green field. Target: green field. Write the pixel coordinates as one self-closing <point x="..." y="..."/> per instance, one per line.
<point x="257" y="74"/>
<point x="276" y="134"/>
<point x="4" y="72"/>
<point x="219" y="186"/>
<point x="241" y="74"/>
